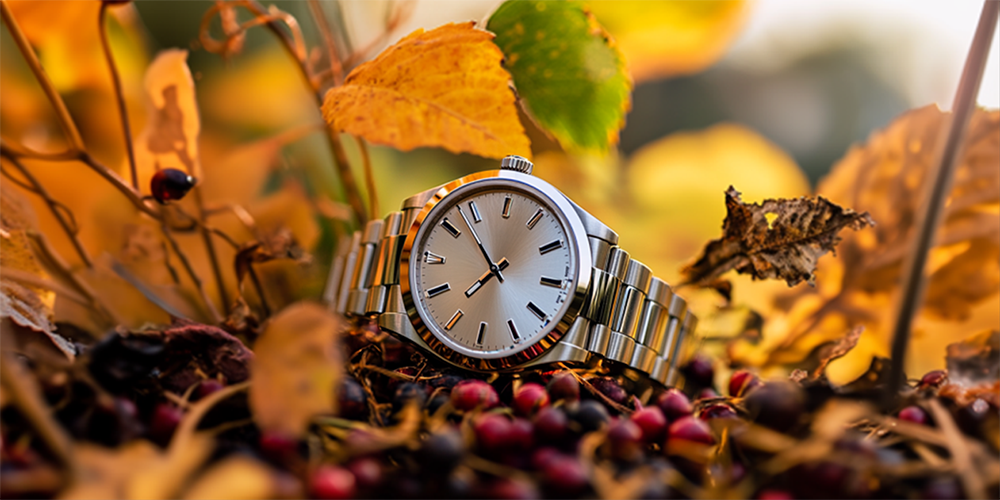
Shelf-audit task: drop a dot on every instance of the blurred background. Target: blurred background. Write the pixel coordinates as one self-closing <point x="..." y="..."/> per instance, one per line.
<point x="764" y="95"/>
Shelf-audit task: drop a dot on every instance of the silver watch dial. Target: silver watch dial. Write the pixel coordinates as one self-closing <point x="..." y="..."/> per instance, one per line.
<point x="493" y="269"/>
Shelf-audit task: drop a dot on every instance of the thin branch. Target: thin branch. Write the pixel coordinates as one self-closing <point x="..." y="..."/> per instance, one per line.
<point x="369" y="178"/>
<point x="191" y="273"/>
<point x="336" y="67"/>
<point x="119" y="95"/>
<point x="213" y="258"/>
<point x="69" y="226"/>
<point x="65" y="120"/>
<point x="948" y="159"/>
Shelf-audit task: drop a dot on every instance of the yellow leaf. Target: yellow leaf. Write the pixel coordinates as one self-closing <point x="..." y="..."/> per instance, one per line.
<point x="170" y="138"/>
<point x="23" y="300"/>
<point x="674" y="37"/>
<point x="66" y="35"/>
<point x="236" y="477"/>
<point x="295" y="369"/>
<point x="441" y="88"/>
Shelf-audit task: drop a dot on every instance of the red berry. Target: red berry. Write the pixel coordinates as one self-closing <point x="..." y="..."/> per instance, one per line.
<point x="207" y="387"/>
<point x="914" y="414"/>
<point x="367" y="472"/>
<point x="625" y="440"/>
<point x="551" y="425"/>
<point x="741" y="382"/>
<point x="543" y="456"/>
<point x="507" y="488"/>
<point x="610" y="388"/>
<point x="352" y="402"/>
<point x="774" y="494"/>
<point x="277" y="446"/>
<point x="472" y="394"/>
<point x="718" y="410"/>
<point x="530" y="398"/>
<point x="777" y="404"/>
<point x="591" y="415"/>
<point x="652" y="423"/>
<point x="493" y="433"/>
<point x="443" y="449"/>
<point x="170" y="184"/>
<point x="698" y="371"/>
<point x="706" y="393"/>
<point x="933" y="379"/>
<point x="564" y="386"/>
<point x="522" y="435"/>
<point x="690" y="429"/>
<point x="565" y="477"/>
<point x="332" y="482"/>
<point x="164" y="421"/>
<point x="674" y="404"/>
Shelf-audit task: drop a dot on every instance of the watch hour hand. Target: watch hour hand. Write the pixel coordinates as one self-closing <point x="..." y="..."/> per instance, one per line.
<point x="486" y="277"/>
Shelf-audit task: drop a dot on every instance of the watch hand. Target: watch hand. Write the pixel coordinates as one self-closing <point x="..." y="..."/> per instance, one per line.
<point x="486" y="277"/>
<point x="493" y="267"/>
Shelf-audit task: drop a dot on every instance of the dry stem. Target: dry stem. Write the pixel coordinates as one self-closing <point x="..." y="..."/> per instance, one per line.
<point x="119" y="96"/>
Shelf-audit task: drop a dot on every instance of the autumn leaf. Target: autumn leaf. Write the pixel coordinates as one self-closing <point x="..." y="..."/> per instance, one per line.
<point x="567" y="69"/>
<point x="671" y="38"/>
<point x="778" y="239"/>
<point x="296" y="369"/>
<point x="23" y="296"/>
<point x="440" y="88"/>
<point x="170" y="138"/>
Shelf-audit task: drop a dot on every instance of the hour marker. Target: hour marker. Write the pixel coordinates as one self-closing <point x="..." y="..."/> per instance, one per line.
<point x="454" y="319"/>
<point x="448" y="226"/>
<point x="513" y="331"/>
<point x="433" y="258"/>
<point x="506" y="207"/>
<point x="475" y="211"/>
<point x="535" y="218"/>
<point x="482" y="333"/>
<point x="548" y="247"/>
<point x="536" y="311"/>
<point x="554" y="283"/>
<point x="438" y="290"/>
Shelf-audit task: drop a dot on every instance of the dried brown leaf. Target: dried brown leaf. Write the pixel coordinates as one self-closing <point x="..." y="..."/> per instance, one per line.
<point x="778" y="239"/>
<point x="830" y="351"/>
<point x="296" y="368"/>
<point x="975" y="359"/>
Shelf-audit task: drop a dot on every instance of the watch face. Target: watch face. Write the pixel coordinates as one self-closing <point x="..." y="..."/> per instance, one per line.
<point x="493" y="269"/>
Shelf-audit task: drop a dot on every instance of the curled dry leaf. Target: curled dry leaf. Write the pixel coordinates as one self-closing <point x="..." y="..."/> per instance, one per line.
<point x="296" y="369"/>
<point x="778" y="239"/>
<point x="170" y="139"/>
<point x="280" y="244"/>
<point x="975" y="359"/>
<point x="440" y="88"/>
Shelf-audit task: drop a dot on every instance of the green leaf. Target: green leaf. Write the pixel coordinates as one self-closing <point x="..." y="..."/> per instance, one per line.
<point x="567" y="69"/>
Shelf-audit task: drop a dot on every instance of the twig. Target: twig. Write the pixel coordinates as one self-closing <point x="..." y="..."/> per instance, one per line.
<point x="336" y="68"/>
<point x="21" y="390"/>
<point x="939" y="187"/>
<point x="191" y="273"/>
<point x="119" y="95"/>
<point x="69" y="226"/>
<point x="369" y="178"/>
<point x="213" y="258"/>
<point x="65" y="120"/>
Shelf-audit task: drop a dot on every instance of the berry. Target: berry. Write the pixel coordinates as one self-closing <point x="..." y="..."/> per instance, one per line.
<point x="507" y="488"/>
<point x="493" y="433"/>
<point x="170" y="184"/>
<point x="773" y="494"/>
<point x="777" y="404"/>
<point x="742" y="382"/>
<point x="367" y="472"/>
<point x="914" y="414"/>
<point x="610" y="388"/>
<point x="933" y="379"/>
<point x="591" y="415"/>
<point x="331" y="482"/>
<point x="472" y="394"/>
<point x="530" y="398"/>
<point x="698" y="371"/>
<point x="437" y="401"/>
<point x="971" y="417"/>
<point x="277" y="446"/>
<point x="352" y="402"/>
<point x="718" y="410"/>
<point x="550" y="425"/>
<point x="652" y="423"/>
<point x="690" y="429"/>
<point x="706" y="393"/>
<point x="522" y="435"/>
<point x="674" y="404"/>
<point x="942" y="488"/>
<point x="207" y="387"/>
<point x="563" y="387"/>
<point x="543" y="456"/>
<point x="164" y="421"/>
<point x="442" y="451"/>
<point x="565" y="477"/>
<point x="408" y="393"/>
<point x="625" y="440"/>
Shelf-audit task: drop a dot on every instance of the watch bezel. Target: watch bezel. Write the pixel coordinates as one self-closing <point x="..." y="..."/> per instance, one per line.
<point x="576" y="235"/>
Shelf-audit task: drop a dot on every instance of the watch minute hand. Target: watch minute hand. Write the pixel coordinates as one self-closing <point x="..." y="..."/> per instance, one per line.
<point x="493" y="267"/>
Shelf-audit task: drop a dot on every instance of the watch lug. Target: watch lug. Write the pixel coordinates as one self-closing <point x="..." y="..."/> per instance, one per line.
<point x="395" y="320"/>
<point x="420" y="199"/>
<point x="594" y="227"/>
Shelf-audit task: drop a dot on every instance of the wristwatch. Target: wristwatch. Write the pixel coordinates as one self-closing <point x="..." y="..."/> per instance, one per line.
<point x="499" y="271"/>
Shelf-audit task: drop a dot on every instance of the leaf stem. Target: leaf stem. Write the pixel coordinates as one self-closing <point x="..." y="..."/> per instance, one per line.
<point x="119" y="95"/>
<point x="336" y="67"/>
<point x="65" y="119"/>
<point x="369" y="178"/>
<point x="213" y="257"/>
<point x="939" y="187"/>
<point x="191" y="273"/>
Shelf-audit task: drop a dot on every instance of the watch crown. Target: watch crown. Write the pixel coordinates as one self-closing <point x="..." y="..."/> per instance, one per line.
<point x="517" y="164"/>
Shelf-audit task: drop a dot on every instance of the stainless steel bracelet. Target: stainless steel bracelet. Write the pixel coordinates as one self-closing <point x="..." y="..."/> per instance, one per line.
<point x="629" y="316"/>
